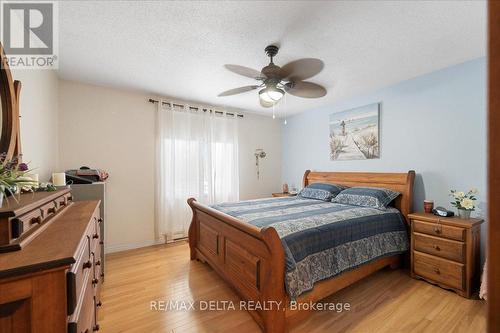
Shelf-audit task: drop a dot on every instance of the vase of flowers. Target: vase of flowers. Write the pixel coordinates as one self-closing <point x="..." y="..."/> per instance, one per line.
<point x="464" y="202"/>
<point x="13" y="177"/>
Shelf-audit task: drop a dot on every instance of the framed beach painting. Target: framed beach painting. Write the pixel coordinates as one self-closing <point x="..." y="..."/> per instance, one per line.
<point x="354" y="134"/>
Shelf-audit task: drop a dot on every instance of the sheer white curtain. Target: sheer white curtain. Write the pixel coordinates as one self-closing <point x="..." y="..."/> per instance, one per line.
<point x="196" y="156"/>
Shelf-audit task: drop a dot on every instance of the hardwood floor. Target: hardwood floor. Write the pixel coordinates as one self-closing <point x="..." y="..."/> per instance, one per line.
<point x="388" y="301"/>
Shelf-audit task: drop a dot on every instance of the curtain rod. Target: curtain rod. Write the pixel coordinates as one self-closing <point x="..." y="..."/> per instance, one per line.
<point x="194" y="108"/>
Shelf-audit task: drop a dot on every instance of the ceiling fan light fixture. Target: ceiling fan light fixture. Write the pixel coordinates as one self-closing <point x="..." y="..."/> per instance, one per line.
<point x="271" y="94"/>
<point x="274" y="80"/>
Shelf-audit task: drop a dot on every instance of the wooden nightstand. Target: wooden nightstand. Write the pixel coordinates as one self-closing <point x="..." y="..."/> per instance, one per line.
<point x="284" y="194"/>
<point x="445" y="251"/>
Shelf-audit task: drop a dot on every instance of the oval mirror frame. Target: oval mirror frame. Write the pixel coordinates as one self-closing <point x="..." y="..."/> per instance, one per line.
<point x="9" y="95"/>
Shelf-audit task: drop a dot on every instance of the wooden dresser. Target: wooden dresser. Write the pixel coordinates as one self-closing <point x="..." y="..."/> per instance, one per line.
<point x="445" y="251"/>
<point x="53" y="283"/>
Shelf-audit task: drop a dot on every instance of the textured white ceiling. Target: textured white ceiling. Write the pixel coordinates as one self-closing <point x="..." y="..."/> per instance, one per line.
<point x="178" y="49"/>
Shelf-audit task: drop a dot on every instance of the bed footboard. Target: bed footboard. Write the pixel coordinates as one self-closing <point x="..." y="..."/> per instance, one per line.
<point x="251" y="260"/>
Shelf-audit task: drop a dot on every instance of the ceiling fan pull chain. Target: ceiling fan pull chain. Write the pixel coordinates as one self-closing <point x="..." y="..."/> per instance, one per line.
<point x="284" y="102"/>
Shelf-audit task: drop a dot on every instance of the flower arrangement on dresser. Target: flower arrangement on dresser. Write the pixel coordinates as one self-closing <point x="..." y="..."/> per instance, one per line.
<point x="13" y="176"/>
<point x="464" y="202"/>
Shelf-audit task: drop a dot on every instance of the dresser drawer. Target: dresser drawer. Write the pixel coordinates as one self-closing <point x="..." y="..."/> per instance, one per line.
<point x="97" y="292"/>
<point x="22" y="224"/>
<point x="96" y="271"/>
<point x="78" y="274"/>
<point x="96" y="232"/>
<point x="439" y="270"/>
<point x="441" y="247"/>
<point x="64" y="200"/>
<point x="49" y="209"/>
<point x="440" y="230"/>
<point x="97" y="263"/>
<point x="96" y="284"/>
<point x="83" y="318"/>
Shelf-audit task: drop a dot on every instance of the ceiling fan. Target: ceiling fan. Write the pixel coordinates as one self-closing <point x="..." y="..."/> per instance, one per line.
<point x="275" y="81"/>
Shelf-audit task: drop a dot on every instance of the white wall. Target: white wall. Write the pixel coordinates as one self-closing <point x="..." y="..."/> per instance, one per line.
<point x="39" y="119"/>
<point x="113" y="130"/>
<point x="259" y="132"/>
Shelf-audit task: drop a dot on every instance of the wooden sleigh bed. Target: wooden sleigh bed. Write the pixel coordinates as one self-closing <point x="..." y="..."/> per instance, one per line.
<point x="252" y="259"/>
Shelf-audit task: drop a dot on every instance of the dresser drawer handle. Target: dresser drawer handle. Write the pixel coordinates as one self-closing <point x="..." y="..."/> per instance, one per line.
<point x="436" y="247"/>
<point x="96" y="328"/>
<point x="95" y="236"/>
<point x="437" y="271"/>
<point x="436" y="230"/>
<point x="98" y="263"/>
<point x="62" y="203"/>
<point x="51" y="210"/>
<point x="95" y="281"/>
<point x="99" y="220"/>
<point x="87" y="264"/>
<point x="36" y="220"/>
<point x="99" y="304"/>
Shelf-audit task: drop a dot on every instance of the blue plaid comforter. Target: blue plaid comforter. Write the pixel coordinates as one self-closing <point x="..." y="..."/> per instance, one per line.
<point x="323" y="239"/>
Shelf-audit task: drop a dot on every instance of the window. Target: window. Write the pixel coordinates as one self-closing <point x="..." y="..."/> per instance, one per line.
<point x="197" y="156"/>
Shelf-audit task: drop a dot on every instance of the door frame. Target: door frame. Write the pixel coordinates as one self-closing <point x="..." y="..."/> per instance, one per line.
<point x="493" y="246"/>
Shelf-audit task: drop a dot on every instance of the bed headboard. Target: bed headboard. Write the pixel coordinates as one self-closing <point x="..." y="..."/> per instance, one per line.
<point x="401" y="182"/>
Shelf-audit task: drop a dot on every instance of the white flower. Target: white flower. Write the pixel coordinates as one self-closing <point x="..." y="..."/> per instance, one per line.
<point x="467" y="203"/>
<point x="459" y="195"/>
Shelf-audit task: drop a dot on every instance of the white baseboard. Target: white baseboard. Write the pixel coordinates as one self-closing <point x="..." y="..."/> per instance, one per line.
<point x="131" y="246"/>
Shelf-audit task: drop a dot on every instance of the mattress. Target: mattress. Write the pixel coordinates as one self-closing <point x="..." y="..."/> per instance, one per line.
<point x="323" y="239"/>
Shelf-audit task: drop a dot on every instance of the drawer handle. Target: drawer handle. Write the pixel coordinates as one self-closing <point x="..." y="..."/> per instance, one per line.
<point x="86" y="331"/>
<point x="95" y="236"/>
<point x="437" y="271"/>
<point x="51" y="210"/>
<point x="62" y="203"/>
<point x="99" y="304"/>
<point x="87" y="264"/>
<point x="36" y="220"/>
<point x="101" y="243"/>
<point x="436" y="247"/>
<point x="98" y="263"/>
<point x="99" y="220"/>
<point x="96" y="328"/>
<point x="436" y="230"/>
<point x="102" y="275"/>
<point x="95" y="281"/>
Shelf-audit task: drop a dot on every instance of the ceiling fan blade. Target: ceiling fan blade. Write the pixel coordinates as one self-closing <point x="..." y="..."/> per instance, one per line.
<point x="305" y="89"/>
<point x="265" y="104"/>
<point x="237" y="91"/>
<point x="302" y="69"/>
<point x="245" y="71"/>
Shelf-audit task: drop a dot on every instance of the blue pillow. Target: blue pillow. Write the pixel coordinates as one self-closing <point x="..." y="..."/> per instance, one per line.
<point x="334" y="189"/>
<point x="366" y="196"/>
<point x="321" y="191"/>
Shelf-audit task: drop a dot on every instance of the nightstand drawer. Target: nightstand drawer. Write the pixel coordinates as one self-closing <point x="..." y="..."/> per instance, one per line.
<point x="441" y="247"/>
<point x="439" y="270"/>
<point x="440" y="230"/>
